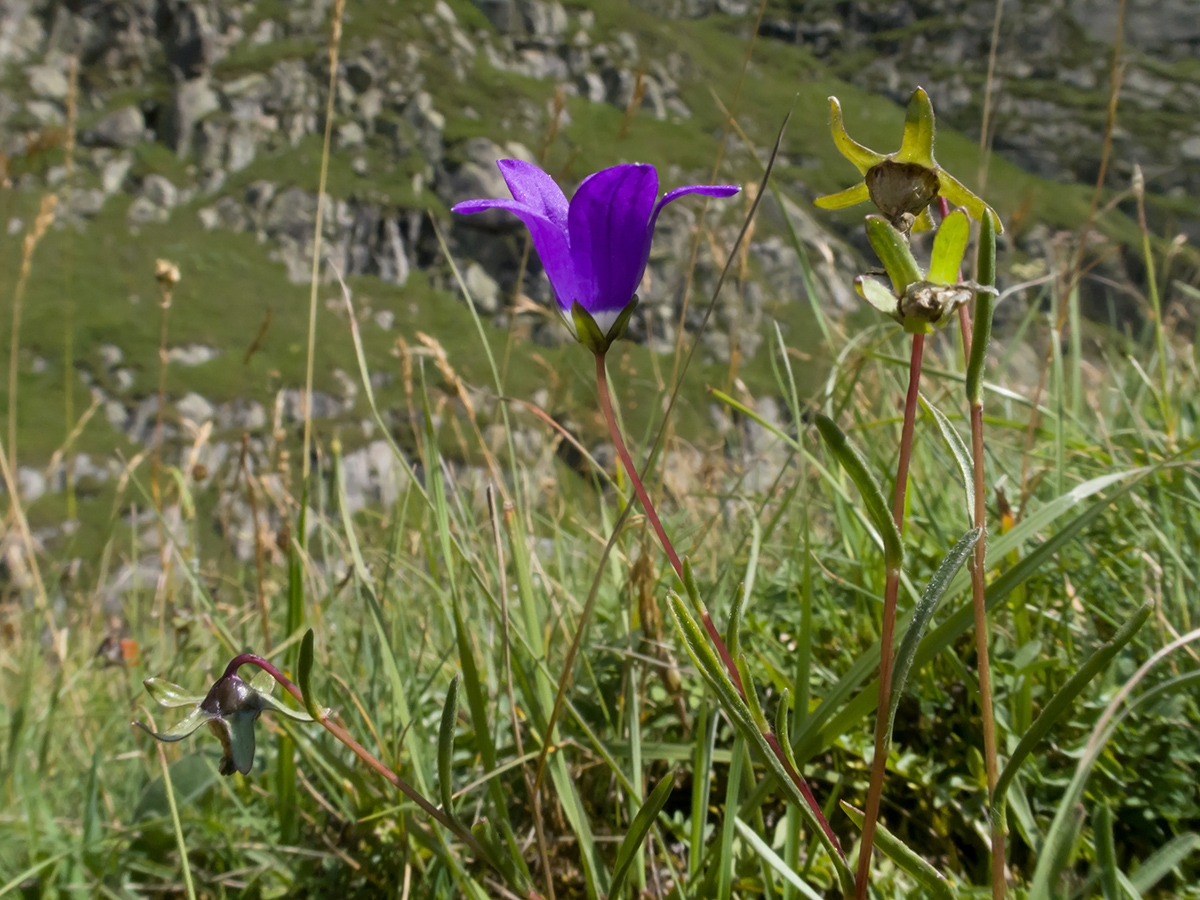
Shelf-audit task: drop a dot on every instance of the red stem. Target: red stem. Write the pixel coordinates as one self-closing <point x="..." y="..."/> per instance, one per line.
<point x="888" y="636"/>
<point x="651" y="513"/>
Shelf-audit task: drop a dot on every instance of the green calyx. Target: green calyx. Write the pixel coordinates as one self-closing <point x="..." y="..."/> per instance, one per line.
<point x="588" y="333"/>
<point x="902" y="184"/>
<point x="918" y="300"/>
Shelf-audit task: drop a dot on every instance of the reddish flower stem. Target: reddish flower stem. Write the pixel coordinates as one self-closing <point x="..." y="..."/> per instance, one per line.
<point x="979" y="603"/>
<point x="715" y="636"/>
<point x="888" y="636"/>
<point x="371" y="761"/>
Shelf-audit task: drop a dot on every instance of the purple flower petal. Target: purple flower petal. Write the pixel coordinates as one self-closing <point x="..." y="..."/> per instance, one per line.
<point x="537" y="190"/>
<point x="549" y="239"/>
<point x="610" y="240"/>
<point x="709" y="190"/>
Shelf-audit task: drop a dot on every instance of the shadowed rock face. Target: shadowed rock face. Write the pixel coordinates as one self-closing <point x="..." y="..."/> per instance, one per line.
<point x="1052" y="74"/>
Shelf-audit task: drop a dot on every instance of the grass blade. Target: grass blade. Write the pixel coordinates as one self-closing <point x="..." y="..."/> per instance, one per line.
<point x="1106" y="853"/>
<point x="1159" y="864"/>
<point x="763" y="849"/>
<point x="1061" y="702"/>
<point x="638" y="829"/>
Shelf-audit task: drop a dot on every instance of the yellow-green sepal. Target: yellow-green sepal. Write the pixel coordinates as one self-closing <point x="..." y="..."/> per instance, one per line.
<point x="843" y="199"/>
<point x="919" y="128"/>
<point x="949" y="245"/>
<point x="877" y="295"/>
<point x="862" y="157"/>
<point x="954" y="191"/>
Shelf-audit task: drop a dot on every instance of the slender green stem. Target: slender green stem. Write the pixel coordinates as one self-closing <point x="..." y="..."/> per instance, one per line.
<point x="731" y="668"/>
<point x="177" y="826"/>
<point x="887" y="638"/>
<point x="975" y="339"/>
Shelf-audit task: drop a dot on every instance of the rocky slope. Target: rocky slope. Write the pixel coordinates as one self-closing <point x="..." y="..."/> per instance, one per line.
<point x="199" y="126"/>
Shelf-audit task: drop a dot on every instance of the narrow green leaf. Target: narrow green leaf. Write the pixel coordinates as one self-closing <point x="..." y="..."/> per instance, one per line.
<point x="732" y="786"/>
<point x="902" y="855"/>
<point x="702" y="760"/>
<point x="1106" y="853"/>
<point x="771" y="858"/>
<point x="783" y="726"/>
<point x="733" y="628"/>
<point x="304" y="674"/>
<point x="949" y="245"/>
<point x="985" y="307"/>
<point x="958" y="448"/>
<point x="855" y="464"/>
<point x="445" y="753"/>
<point x="1061" y="702"/>
<point x="922" y="614"/>
<point x="893" y="251"/>
<point x="638" y="829"/>
<point x="1160" y="863"/>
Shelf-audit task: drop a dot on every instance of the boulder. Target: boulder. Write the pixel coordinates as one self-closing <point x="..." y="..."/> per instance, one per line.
<point x="193" y="100"/>
<point x="121" y="128"/>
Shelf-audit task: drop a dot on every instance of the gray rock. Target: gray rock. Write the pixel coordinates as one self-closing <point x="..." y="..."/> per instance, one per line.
<point x="143" y="210"/>
<point x="1190" y="149"/>
<point x="242" y="148"/>
<point x="48" y="81"/>
<point x="195" y="407"/>
<point x="122" y="128"/>
<point x="45" y="112"/>
<point x="193" y="100"/>
<point x="86" y="202"/>
<point x="160" y="191"/>
<point x="31" y="484"/>
<point x="114" y="173"/>
<point x="292" y="213"/>
<point x="210" y="141"/>
<point x="349" y="136"/>
<point x="484" y="289"/>
<point x="192" y="355"/>
<point x="110" y="355"/>
<point x="190" y="40"/>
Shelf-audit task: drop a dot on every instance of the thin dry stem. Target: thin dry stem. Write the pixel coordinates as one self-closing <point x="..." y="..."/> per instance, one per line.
<point x="985" y="133"/>
<point x="335" y="40"/>
<point x="887" y="638"/>
<point x="259" y="561"/>
<point x="44" y="217"/>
